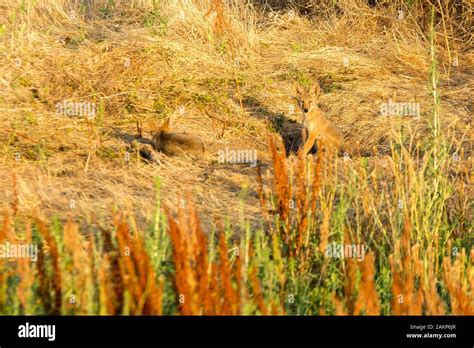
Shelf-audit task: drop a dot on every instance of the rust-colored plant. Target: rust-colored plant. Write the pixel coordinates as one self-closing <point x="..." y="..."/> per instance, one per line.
<point x="203" y="286"/>
<point x="137" y="273"/>
<point x="459" y="279"/>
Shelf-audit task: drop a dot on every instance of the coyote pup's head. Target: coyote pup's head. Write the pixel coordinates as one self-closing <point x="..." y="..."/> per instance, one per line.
<point x="307" y="98"/>
<point x="155" y="128"/>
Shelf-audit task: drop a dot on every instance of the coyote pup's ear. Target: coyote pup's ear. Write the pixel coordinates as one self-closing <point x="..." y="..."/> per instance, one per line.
<point x="298" y="90"/>
<point x="315" y="89"/>
<point x="167" y="125"/>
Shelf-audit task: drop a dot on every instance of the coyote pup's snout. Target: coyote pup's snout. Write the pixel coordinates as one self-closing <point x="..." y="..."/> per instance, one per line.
<point x="315" y="124"/>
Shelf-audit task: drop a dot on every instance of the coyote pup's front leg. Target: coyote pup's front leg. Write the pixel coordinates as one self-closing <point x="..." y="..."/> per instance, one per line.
<point x="309" y="144"/>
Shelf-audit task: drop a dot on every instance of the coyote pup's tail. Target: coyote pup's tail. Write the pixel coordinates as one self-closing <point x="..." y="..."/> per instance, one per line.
<point x="175" y="144"/>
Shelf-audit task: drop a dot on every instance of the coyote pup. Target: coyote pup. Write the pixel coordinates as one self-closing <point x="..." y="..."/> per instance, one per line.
<point x="315" y="124"/>
<point x="175" y="144"/>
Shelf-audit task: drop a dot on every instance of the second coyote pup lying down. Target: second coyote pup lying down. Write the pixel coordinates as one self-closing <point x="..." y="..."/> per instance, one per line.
<point x="315" y="124"/>
<point x="171" y="143"/>
<point x="175" y="144"/>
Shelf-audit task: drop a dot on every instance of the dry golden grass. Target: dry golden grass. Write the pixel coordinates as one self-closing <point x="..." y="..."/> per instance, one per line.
<point x="229" y="97"/>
